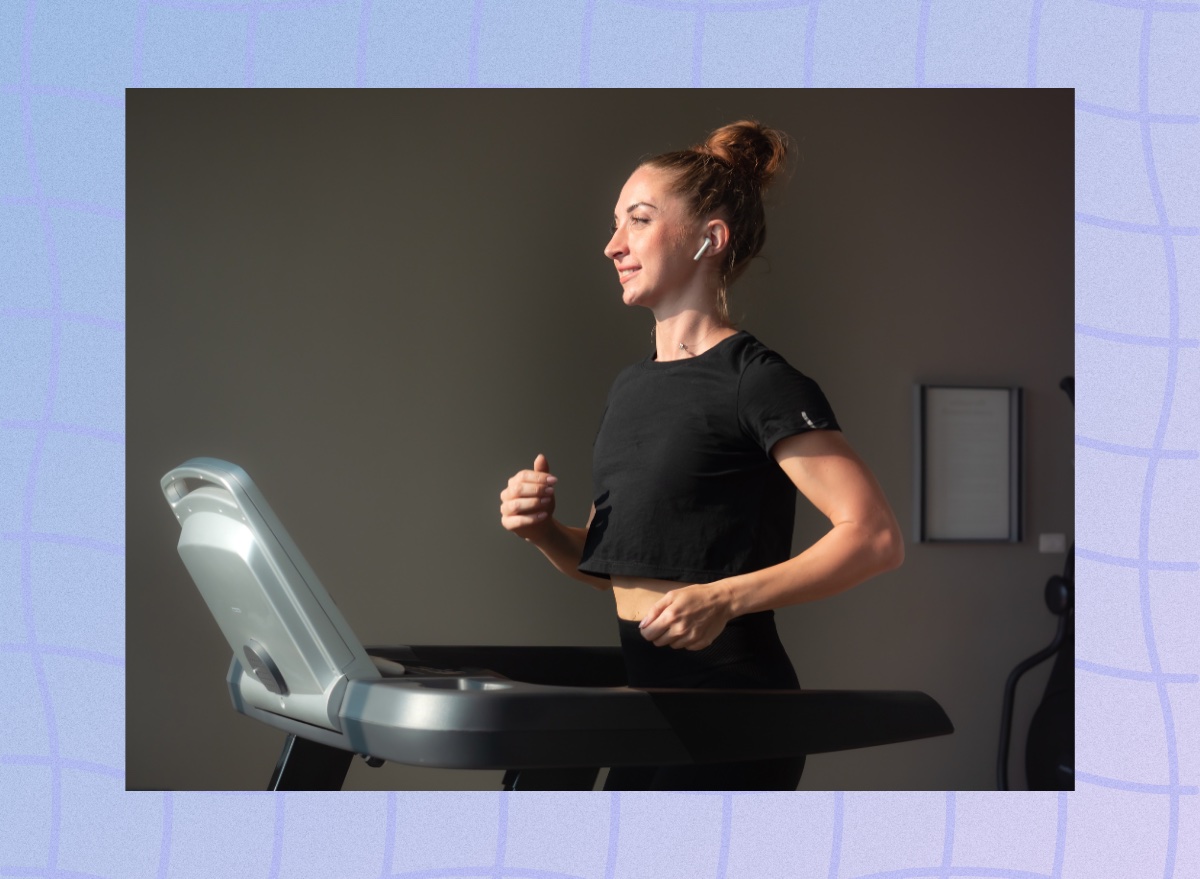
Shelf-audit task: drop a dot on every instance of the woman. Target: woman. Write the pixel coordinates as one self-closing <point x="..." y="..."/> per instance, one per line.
<point x="701" y="450"/>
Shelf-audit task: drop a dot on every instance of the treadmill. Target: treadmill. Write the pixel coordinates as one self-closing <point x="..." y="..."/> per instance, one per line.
<point x="552" y="717"/>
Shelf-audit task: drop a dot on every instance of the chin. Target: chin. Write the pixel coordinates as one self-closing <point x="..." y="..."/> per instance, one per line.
<point x="634" y="297"/>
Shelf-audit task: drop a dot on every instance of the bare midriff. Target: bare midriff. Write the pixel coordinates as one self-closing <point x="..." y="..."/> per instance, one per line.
<point x="636" y="595"/>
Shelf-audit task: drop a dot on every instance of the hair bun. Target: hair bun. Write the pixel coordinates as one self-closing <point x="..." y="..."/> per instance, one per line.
<point x="749" y="148"/>
<point x="725" y="177"/>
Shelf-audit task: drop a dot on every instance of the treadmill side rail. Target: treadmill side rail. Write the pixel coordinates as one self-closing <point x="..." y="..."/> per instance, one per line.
<point x="484" y="721"/>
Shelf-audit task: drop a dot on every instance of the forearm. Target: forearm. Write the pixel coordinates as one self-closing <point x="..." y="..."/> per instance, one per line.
<point x="846" y="556"/>
<point x="563" y="546"/>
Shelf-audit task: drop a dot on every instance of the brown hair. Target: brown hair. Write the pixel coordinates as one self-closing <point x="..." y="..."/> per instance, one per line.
<point x="727" y="175"/>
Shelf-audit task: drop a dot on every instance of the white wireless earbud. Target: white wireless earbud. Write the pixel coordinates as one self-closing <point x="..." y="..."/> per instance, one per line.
<point x="703" y="247"/>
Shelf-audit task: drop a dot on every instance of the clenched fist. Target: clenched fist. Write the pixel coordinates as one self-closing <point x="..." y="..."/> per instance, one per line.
<point x="527" y="503"/>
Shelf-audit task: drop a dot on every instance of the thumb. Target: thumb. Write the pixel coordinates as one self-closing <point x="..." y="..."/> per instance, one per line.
<point x="540" y="464"/>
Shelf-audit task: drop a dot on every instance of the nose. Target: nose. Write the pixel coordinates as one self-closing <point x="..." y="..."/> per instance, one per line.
<point x="616" y="245"/>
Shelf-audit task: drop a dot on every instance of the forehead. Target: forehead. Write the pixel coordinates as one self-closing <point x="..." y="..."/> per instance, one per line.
<point x="647" y="184"/>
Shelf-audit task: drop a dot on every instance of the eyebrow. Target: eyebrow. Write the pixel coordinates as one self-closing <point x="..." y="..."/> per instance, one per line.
<point x="636" y="205"/>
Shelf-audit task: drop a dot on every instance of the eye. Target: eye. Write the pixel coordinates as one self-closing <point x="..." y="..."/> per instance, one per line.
<point x="612" y="229"/>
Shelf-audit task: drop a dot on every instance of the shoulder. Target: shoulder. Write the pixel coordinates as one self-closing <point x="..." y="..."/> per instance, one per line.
<point x="758" y="364"/>
<point x="775" y="399"/>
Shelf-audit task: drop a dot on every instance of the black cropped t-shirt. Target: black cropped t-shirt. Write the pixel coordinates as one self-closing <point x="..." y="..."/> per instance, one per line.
<point x="684" y="483"/>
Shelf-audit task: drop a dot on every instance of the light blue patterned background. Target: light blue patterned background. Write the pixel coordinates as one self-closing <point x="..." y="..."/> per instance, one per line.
<point x="63" y="70"/>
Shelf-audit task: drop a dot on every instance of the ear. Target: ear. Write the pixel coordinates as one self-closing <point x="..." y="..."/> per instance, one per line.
<point x="716" y="231"/>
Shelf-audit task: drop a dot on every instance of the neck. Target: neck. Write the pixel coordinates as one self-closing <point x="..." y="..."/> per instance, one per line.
<point x="688" y="334"/>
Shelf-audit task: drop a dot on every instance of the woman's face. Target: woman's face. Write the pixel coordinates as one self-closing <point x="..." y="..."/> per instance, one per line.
<point x="651" y="247"/>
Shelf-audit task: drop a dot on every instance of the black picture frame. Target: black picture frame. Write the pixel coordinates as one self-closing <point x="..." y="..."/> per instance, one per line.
<point x="969" y="463"/>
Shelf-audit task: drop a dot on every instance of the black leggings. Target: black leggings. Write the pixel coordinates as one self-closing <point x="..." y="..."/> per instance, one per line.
<point x="746" y="655"/>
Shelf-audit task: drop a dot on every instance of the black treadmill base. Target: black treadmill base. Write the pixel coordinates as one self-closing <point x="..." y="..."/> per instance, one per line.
<point x="308" y="765"/>
<point x="575" y="778"/>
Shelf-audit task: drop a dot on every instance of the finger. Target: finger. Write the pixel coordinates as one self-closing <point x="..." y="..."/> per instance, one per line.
<point x="669" y="639"/>
<point x="532" y="476"/>
<point x="514" y="522"/>
<point x="541" y="466"/>
<point x="523" y="506"/>
<point x="653" y="614"/>
<point x="656" y="630"/>
<point x="680" y="635"/>
<point x="519" y="488"/>
<point x="530" y="505"/>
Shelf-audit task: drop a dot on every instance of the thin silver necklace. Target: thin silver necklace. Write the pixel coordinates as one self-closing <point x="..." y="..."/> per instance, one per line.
<point x="684" y="346"/>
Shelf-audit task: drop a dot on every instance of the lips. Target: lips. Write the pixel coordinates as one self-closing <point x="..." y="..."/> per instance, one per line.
<point x="627" y="273"/>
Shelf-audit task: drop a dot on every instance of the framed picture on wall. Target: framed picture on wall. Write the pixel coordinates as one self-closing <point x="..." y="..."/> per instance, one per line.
<point x="968" y="463"/>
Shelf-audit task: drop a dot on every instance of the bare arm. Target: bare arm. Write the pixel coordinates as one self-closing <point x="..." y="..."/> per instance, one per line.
<point x="527" y="510"/>
<point x="865" y="539"/>
<point x="563" y="546"/>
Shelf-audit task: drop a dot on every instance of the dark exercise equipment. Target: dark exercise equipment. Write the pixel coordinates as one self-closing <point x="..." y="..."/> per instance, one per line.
<point x="549" y="716"/>
<point x="1050" y="747"/>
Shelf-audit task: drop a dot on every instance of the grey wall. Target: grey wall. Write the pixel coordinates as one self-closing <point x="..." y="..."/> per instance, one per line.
<point x="382" y="304"/>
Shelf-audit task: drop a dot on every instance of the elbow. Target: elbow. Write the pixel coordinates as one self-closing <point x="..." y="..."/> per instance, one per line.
<point x="889" y="547"/>
<point x="897" y="558"/>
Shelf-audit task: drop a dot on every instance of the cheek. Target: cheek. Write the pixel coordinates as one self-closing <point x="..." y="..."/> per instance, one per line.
<point x="669" y="244"/>
<point x="687" y="243"/>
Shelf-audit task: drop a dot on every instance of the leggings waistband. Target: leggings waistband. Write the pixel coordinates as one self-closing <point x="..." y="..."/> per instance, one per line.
<point x="757" y="618"/>
<point x="747" y="654"/>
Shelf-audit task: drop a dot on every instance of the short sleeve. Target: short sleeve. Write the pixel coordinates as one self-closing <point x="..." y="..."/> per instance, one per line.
<point x="776" y="400"/>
